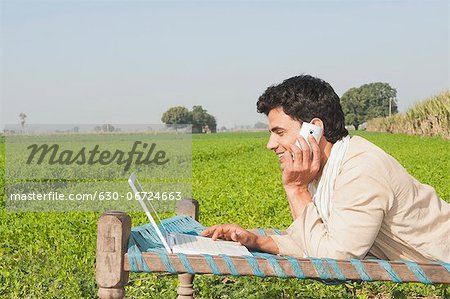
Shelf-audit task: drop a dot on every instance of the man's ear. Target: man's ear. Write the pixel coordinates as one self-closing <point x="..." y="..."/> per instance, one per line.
<point x="318" y="122"/>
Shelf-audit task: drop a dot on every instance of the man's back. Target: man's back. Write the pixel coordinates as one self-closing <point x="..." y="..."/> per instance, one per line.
<point x="416" y="224"/>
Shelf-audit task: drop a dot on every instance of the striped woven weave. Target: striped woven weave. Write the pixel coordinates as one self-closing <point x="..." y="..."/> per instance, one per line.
<point x="145" y="239"/>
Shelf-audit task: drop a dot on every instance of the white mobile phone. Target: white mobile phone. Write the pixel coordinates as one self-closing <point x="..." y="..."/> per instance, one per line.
<point x="309" y="129"/>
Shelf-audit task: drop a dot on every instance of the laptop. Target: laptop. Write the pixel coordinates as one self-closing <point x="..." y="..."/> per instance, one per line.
<point x="183" y="243"/>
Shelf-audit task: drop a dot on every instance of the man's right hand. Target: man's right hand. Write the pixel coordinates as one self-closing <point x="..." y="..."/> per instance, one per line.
<point x="299" y="171"/>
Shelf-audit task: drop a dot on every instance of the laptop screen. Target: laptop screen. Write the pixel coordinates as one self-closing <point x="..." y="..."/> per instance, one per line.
<point x="149" y="209"/>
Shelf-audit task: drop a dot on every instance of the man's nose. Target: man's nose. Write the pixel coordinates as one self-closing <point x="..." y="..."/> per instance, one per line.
<point x="272" y="143"/>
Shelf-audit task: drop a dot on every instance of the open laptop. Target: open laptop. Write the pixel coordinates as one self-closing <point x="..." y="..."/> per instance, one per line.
<point x="183" y="243"/>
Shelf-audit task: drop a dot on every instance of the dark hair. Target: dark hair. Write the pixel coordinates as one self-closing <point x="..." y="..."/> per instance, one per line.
<point x="304" y="98"/>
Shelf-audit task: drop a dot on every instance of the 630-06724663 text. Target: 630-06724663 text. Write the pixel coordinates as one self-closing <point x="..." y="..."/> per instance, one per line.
<point x="97" y="195"/>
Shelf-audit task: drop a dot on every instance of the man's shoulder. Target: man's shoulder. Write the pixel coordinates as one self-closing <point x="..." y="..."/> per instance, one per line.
<point x="361" y="147"/>
<point x="365" y="158"/>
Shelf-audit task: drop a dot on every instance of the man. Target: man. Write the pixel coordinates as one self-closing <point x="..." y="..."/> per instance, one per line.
<point x="349" y="199"/>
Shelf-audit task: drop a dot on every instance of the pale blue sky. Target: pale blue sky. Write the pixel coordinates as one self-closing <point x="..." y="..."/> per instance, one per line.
<point x="127" y="62"/>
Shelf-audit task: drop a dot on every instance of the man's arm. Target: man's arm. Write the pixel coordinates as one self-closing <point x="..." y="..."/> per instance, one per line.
<point x="266" y="244"/>
<point x="298" y="199"/>
<point x="359" y="204"/>
<point x="354" y="222"/>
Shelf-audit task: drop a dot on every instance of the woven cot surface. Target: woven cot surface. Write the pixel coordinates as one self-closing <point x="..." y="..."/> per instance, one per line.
<point x="144" y="239"/>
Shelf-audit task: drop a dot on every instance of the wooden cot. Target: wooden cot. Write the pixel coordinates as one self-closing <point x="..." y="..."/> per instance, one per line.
<point x="114" y="256"/>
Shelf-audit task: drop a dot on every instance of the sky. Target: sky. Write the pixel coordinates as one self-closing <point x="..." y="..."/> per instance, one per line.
<point x="127" y="62"/>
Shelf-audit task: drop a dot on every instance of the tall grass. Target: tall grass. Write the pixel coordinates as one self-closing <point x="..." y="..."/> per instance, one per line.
<point x="431" y="118"/>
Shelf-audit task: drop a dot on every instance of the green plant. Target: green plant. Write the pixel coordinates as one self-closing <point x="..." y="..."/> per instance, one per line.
<point x="52" y="255"/>
<point x="430" y="118"/>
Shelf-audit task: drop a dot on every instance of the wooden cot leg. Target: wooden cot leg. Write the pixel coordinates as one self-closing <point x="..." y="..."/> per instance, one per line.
<point x="112" y="241"/>
<point x="188" y="207"/>
<point x="186" y="287"/>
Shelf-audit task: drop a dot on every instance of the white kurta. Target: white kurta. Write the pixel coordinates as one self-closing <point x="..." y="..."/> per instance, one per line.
<point x="377" y="209"/>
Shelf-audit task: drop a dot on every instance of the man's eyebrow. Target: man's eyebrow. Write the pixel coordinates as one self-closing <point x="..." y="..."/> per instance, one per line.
<point x="275" y="129"/>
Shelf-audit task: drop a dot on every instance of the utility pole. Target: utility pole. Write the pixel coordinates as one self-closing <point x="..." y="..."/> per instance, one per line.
<point x="390" y="105"/>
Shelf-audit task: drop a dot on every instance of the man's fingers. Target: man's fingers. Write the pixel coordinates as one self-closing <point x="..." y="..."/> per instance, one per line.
<point x="225" y="232"/>
<point x="288" y="156"/>
<point x="315" y="165"/>
<point x="294" y="149"/>
<point x="305" y="150"/>
<point x="229" y="232"/>
<point x="234" y="237"/>
<point x="209" y="230"/>
<point x="220" y="231"/>
<point x="287" y="159"/>
<point x="217" y="233"/>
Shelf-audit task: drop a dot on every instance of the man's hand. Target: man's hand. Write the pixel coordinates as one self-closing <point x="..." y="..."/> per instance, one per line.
<point x="300" y="171"/>
<point x="233" y="232"/>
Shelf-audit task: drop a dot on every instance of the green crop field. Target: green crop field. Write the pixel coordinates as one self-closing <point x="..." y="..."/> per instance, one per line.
<point x="235" y="179"/>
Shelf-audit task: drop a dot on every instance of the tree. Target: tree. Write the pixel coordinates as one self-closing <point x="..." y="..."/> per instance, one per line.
<point x="260" y="125"/>
<point x="210" y="122"/>
<point x="104" y="128"/>
<point x="201" y="118"/>
<point x="368" y="101"/>
<point x="108" y="128"/>
<point x="177" y="116"/>
<point x="22" y="117"/>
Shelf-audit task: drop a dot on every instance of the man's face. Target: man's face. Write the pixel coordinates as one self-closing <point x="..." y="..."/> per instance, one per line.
<point x="283" y="133"/>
